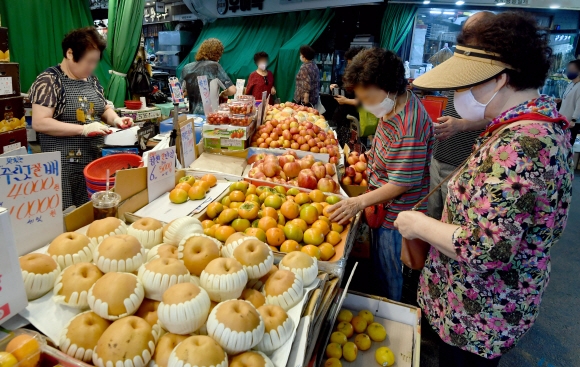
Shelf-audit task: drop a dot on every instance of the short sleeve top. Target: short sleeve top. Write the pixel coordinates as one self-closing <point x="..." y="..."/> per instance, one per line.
<point x="189" y="74"/>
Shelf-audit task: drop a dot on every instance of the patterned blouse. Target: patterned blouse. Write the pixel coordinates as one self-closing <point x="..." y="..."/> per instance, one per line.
<point x="307" y="81"/>
<point x="511" y="202"/>
<point x="189" y="74"/>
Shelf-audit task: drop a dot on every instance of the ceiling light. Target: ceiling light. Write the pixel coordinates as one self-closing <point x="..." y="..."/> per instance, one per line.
<point x="426" y="2"/>
<point x="500" y="3"/>
<point x="435" y="12"/>
<point x="555" y="6"/>
<point x="449" y="13"/>
<point x="460" y="2"/>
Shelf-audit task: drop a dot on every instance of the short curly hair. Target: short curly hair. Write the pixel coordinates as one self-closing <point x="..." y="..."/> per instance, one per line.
<point x="211" y="49"/>
<point x="308" y="52"/>
<point x="521" y="43"/>
<point x="81" y="40"/>
<point x="259" y="56"/>
<point x="352" y="52"/>
<point x="378" y="67"/>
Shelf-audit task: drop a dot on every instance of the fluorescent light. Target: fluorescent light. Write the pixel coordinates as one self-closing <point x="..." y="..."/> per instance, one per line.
<point x="460" y="2"/>
<point x="501" y="3"/>
<point x="435" y="12"/>
<point x="426" y="2"/>
<point x="555" y="6"/>
<point x="449" y="12"/>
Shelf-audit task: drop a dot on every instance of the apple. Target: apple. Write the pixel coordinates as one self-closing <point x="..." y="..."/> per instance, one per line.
<point x="303" y="133"/>
<point x="363" y="158"/>
<point x="333" y="160"/>
<point x="275" y="144"/>
<point x="286" y="134"/>
<point x="323" y="149"/>
<point x="301" y="140"/>
<point x="358" y="178"/>
<point x="352" y="160"/>
<point x="325" y="185"/>
<point x="316" y="129"/>
<point x="306" y="179"/>
<point x="292" y="169"/>
<point x="293" y="124"/>
<point x="312" y="142"/>
<point x="306" y="162"/>
<point x="346" y="180"/>
<point x="322" y="136"/>
<point x="259" y="175"/>
<point x="292" y="153"/>
<point x="259" y="141"/>
<point x="305" y="147"/>
<point x="310" y="132"/>
<point x="293" y="130"/>
<point x="309" y="125"/>
<point x="315" y="150"/>
<point x="360" y="166"/>
<point x="286" y="144"/>
<point x="330" y="169"/>
<point x="350" y="171"/>
<point x="271" y="169"/>
<point x="283" y="159"/>
<point x="263" y="145"/>
<point x="319" y="171"/>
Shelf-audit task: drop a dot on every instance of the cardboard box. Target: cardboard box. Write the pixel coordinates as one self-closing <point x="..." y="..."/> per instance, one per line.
<point x="4" y="53"/>
<point x="213" y="144"/>
<point x="9" y="79"/>
<point x="12" y="294"/>
<point x="12" y="113"/>
<point x="228" y="131"/>
<point x="144" y="114"/>
<point x="12" y="140"/>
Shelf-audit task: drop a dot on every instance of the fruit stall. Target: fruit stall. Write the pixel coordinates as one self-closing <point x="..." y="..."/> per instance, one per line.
<point x="218" y="268"/>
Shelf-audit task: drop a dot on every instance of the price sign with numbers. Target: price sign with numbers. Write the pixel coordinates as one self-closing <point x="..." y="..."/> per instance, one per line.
<point x="187" y="143"/>
<point x="160" y="172"/>
<point x="30" y="188"/>
<point x="176" y="93"/>
<point x="204" y="92"/>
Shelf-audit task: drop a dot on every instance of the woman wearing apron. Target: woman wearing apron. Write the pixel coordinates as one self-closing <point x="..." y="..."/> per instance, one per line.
<point x="70" y="113"/>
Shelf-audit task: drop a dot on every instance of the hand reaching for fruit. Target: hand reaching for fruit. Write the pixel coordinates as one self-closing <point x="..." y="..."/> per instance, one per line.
<point x="342" y="211"/>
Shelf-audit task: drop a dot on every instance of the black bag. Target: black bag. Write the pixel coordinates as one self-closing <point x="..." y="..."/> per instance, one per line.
<point x="139" y="82"/>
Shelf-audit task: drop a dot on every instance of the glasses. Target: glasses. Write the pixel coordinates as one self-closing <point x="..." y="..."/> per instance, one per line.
<point x="265" y="80"/>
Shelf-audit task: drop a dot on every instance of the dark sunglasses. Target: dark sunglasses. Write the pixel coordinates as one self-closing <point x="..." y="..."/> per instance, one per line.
<point x="265" y="80"/>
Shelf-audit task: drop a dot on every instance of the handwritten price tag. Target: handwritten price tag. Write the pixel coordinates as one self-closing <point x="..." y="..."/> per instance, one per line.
<point x="30" y="188"/>
<point x="204" y="92"/>
<point x="187" y="144"/>
<point x="160" y="172"/>
<point x="176" y="93"/>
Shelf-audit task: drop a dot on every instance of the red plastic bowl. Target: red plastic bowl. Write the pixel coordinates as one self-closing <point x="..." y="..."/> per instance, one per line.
<point x="96" y="171"/>
<point x="133" y="105"/>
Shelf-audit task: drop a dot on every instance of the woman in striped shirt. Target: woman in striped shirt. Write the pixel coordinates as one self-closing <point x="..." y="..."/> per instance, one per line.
<point x="398" y="161"/>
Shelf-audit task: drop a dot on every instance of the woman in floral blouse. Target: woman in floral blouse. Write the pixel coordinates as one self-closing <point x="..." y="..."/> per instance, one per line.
<point x="489" y="263"/>
<point x="307" y="90"/>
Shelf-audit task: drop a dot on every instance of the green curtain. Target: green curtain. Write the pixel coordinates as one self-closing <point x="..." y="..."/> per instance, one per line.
<point x="397" y="23"/>
<point x="124" y="34"/>
<point x="36" y="30"/>
<point x="242" y="37"/>
<point x="310" y="29"/>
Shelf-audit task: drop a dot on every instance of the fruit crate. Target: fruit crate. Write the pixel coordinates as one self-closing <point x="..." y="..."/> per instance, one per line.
<point x="401" y="321"/>
<point x="21" y="348"/>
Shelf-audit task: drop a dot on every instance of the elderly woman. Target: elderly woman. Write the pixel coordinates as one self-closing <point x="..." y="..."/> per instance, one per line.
<point x="70" y="113"/>
<point x="307" y="90"/>
<point x="489" y="263"/>
<point x="261" y="80"/>
<point x="206" y="63"/>
<point x="398" y="161"/>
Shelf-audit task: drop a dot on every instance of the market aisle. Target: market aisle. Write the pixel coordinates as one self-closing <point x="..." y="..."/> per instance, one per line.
<point x="554" y="339"/>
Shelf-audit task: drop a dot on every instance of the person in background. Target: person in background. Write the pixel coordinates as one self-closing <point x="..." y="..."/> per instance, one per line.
<point x="261" y="80"/>
<point x="398" y="161"/>
<point x="570" y="107"/>
<point x="347" y="104"/>
<point x="70" y="113"/>
<point x="489" y="262"/>
<point x="206" y="63"/>
<point x="455" y="139"/>
<point x="307" y="91"/>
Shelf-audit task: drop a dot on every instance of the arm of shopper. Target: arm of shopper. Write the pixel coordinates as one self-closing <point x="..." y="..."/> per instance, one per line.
<point x="43" y="122"/>
<point x="499" y="216"/>
<point x="227" y="82"/>
<point x="449" y="126"/>
<point x="347" y="101"/>
<point x="576" y="114"/>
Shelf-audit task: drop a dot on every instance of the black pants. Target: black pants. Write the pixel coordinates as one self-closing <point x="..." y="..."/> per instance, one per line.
<point x="450" y="356"/>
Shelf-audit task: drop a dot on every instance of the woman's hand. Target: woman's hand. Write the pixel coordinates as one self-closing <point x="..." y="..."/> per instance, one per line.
<point x="448" y="126"/>
<point x="341" y="99"/>
<point x="332" y="86"/>
<point x="273" y="91"/>
<point x="123" y="122"/>
<point x="408" y="223"/>
<point x="345" y="209"/>
<point x="95" y="129"/>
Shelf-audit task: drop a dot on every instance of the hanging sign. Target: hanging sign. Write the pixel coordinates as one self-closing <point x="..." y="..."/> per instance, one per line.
<point x="205" y="95"/>
<point x="160" y="7"/>
<point x="223" y="6"/>
<point x="160" y="172"/>
<point x="187" y="143"/>
<point x="175" y="87"/>
<point x="30" y="188"/>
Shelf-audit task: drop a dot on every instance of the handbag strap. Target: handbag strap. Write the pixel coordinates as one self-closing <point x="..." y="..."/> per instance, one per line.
<point x="492" y="139"/>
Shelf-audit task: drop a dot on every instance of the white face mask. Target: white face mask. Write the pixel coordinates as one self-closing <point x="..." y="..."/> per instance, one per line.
<point x="262" y="66"/>
<point x="468" y="107"/>
<point x="381" y="109"/>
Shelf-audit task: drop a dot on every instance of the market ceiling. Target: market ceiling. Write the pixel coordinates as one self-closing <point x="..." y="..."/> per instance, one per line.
<point x="530" y="4"/>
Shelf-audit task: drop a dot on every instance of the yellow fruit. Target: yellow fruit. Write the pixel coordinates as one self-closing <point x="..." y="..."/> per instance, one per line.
<point x="313" y="236"/>
<point x="345" y="328"/>
<point x="322" y="225"/>
<point x="203" y="184"/>
<point x="334" y="350"/>
<point x="7" y="359"/>
<point x="317" y="196"/>
<point x="223" y="232"/>
<point x="288" y="246"/>
<point x="210" y="179"/>
<point x="385" y="357"/>
<point x="326" y="251"/>
<point x="359" y="324"/>
<point x="367" y="316"/>
<point x="349" y="351"/>
<point x="344" y="315"/>
<point x="332" y="362"/>
<point x="362" y="341"/>
<point x="178" y="196"/>
<point x="312" y="250"/>
<point x="377" y="332"/>
<point x="197" y="192"/>
<point x="337" y="227"/>
<point x="26" y="350"/>
<point x="333" y="238"/>
<point x="338" y="338"/>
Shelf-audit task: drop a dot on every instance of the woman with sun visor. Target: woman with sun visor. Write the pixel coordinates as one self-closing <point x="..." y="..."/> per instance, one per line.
<point x="489" y="261"/>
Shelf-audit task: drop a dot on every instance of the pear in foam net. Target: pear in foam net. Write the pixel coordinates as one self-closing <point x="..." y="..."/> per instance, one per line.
<point x="73" y="284"/>
<point x="119" y="253"/>
<point x="223" y="279"/>
<point x="39" y="272"/>
<point x="116" y="295"/>
<point x="79" y="337"/>
<point x="103" y="228"/>
<point x="160" y="274"/>
<point x="301" y="264"/>
<point x="148" y="231"/>
<point x="198" y="351"/>
<point x="70" y="248"/>
<point x="284" y="289"/>
<point x="184" y="308"/>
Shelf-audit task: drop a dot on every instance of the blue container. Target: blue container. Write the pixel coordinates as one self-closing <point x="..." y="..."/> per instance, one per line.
<point x="167" y="125"/>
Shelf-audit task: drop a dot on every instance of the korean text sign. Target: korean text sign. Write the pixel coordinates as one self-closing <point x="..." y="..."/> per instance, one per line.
<point x="187" y="144"/>
<point x="160" y="172"/>
<point x="30" y="188"/>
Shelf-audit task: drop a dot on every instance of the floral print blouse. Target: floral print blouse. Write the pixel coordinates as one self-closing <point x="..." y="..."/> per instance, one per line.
<point x="511" y="202"/>
<point x="307" y="81"/>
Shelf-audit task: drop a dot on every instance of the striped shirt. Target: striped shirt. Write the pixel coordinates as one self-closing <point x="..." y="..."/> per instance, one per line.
<point x="401" y="155"/>
<point x="456" y="149"/>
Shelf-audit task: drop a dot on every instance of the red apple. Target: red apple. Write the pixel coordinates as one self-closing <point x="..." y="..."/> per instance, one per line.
<point x="293" y="130"/>
<point x="301" y="140"/>
<point x="292" y="169"/>
<point x="330" y="169"/>
<point x="303" y="133"/>
<point x="358" y="178"/>
<point x="311" y="142"/>
<point x="316" y="129"/>
<point x="319" y="171"/>
<point x="305" y="147"/>
<point x="322" y="136"/>
<point x="350" y="171"/>
<point x="260" y="176"/>
<point x="307" y="179"/>
<point x="309" y="125"/>
<point x="271" y="169"/>
<point x="325" y="185"/>
<point x="286" y="134"/>
<point x="346" y="180"/>
<point x="360" y="167"/>
<point x="310" y="132"/>
<point x="333" y="160"/>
